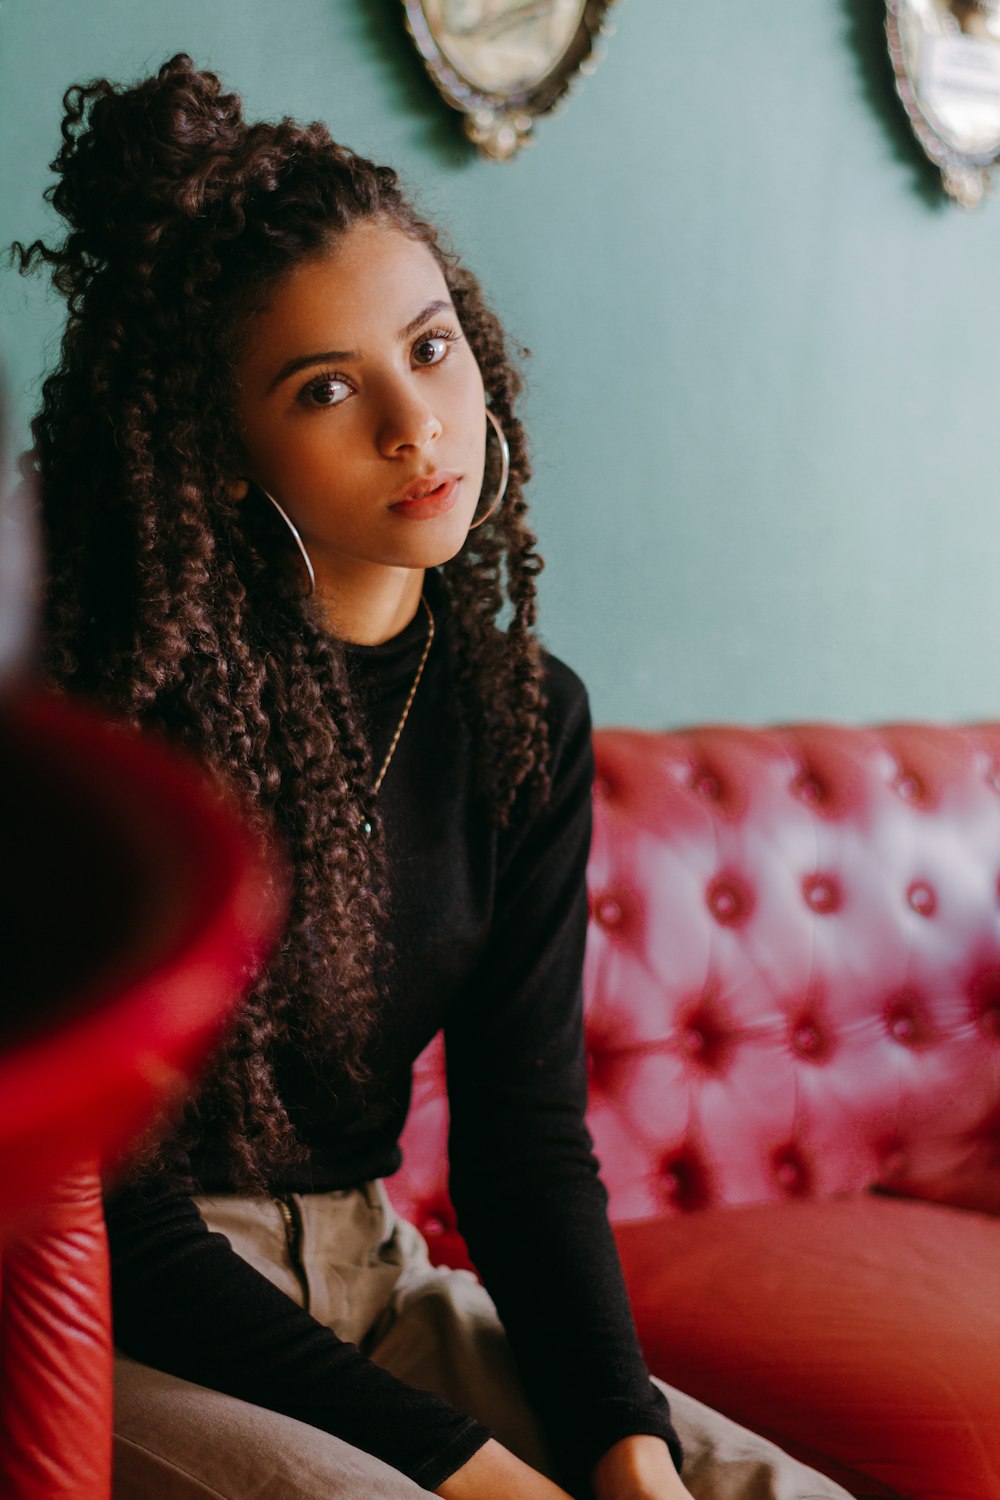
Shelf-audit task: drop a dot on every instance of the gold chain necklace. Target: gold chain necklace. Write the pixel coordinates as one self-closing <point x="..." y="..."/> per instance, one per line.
<point x="365" y="824"/>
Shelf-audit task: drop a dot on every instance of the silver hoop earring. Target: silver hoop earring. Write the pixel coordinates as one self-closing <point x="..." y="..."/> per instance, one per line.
<point x="300" y="544"/>
<point x="504" y="470"/>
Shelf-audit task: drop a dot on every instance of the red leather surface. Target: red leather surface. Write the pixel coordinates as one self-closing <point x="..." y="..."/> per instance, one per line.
<point x="55" y="1351"/>
<point x="862" y="1333"/>
<point x="793" y="972"/>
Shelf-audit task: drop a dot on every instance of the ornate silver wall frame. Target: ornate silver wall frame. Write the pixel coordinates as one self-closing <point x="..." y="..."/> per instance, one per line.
<point x="505" y="62"/>
<point x="946" y="57"/>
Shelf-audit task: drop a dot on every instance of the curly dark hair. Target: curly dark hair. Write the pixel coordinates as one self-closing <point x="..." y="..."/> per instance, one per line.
<point x="165" y="603"/>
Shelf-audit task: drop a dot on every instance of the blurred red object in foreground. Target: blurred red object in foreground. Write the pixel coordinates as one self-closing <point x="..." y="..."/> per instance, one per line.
<point x="135" y="908"/>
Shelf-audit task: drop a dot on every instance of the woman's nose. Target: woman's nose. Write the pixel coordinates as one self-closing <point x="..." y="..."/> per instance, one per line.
<point x="407" y="421"/>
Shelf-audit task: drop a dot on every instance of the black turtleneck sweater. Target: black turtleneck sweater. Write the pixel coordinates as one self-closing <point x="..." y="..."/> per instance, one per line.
<point x="487" y="930"/>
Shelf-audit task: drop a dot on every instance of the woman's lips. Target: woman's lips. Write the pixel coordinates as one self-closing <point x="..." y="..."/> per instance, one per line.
<point x="429" y="498"/>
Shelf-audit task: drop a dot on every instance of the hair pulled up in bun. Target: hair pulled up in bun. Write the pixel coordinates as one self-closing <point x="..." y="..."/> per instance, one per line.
<point x="162" y="602"/>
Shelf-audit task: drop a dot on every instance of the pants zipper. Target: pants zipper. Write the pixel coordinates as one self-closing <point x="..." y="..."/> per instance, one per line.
<point x="291" y="1218"/>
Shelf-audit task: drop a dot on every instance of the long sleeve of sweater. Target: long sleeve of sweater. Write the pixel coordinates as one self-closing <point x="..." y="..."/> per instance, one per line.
<point x="185" y="1302"/>
<point x="523" y="1175"/>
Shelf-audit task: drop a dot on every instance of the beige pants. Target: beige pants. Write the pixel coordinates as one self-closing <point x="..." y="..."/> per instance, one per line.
<point x="365" y="1273"/>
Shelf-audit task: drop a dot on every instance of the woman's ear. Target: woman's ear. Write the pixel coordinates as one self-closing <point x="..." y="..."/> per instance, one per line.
<point x="237" y="489"/>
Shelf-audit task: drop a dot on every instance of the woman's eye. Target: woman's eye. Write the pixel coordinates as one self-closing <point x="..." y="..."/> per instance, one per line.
<point x="432" y="350"/>
<point x="327" y="390"/>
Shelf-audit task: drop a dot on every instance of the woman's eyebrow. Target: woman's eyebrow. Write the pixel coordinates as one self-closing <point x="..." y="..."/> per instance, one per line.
<point x="422" y="316"/>
<point x="341" y="356"/>
<point x="303" y="361"/>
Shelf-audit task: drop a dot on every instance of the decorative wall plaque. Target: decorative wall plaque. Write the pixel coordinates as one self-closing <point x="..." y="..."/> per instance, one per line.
<point x="505" y="62"/>
<point x="946" y="57"/>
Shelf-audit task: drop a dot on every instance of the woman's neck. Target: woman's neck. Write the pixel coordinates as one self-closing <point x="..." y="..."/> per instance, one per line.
<point x="371" y="606"/>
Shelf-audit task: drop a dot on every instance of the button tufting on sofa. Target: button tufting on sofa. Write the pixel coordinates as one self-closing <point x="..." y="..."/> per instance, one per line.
<point x="704" y="1039"/>
<point x="694" y="1040"/>
<point x="788" y="1175"/>
<point x="807" y="1040"/>
<point x="903" y="1026"/>
<point x="807" y="788"/>
<point x="909" y="786"/>
<point x="684" y="1183"/>
<point x="608" y="911"/>
<point x="729" y="901"/>
<point x="600" y="1063"/>
<point x="893" y="1162"/>
<point x="989" y="1020"/>
<point x="922" y="898"/>
<point x="790" y="1172"/>
<point x="822" y="893"/>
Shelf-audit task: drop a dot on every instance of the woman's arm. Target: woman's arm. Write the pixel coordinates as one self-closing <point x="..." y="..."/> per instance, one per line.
<point x="185" y="1302"/>
<point x="638" y="1468"/>
<point x="495" y="1474"/>
<point x="523" y="1176"/>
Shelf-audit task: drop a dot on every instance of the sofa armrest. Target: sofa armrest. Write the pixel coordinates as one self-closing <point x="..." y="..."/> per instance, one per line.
<point x="55" y="1349"/>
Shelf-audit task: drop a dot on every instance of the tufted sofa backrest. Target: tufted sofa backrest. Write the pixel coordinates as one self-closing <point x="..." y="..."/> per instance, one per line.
<point x="793" y="972"/>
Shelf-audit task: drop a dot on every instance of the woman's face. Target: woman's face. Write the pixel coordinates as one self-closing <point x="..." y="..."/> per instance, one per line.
<point x="362" y="408"/>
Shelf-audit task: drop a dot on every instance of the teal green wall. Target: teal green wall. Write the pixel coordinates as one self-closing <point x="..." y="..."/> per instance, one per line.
<point x="766" y="369"/>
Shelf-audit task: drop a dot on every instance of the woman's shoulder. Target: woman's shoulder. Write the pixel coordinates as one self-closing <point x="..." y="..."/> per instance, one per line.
<point x="568" y="709"/>
<point x="570" y="731"/>
<point x="540" y="828"/>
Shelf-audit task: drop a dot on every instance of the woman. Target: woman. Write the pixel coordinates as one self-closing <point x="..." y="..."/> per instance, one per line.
<point x="274" y="464"/>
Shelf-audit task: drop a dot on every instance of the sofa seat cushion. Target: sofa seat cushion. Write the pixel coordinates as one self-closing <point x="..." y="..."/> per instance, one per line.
<point x="860" y="1333"/>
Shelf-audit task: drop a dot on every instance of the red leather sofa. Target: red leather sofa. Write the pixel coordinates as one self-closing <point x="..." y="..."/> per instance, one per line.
<point x="793" y="989"/>
<point x="793" y="1002"/>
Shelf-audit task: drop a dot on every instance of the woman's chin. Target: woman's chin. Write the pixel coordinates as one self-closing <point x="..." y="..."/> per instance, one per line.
<point x="437" y="544"/>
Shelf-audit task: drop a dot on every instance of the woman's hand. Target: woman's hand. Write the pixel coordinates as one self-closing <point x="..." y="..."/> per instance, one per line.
<point x="638" y="1468"/>
<point x="495" y="1474"/>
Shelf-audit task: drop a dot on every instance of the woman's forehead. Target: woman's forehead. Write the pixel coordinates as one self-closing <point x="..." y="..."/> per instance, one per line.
<point x="369" y="284"/>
